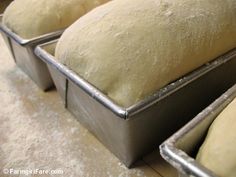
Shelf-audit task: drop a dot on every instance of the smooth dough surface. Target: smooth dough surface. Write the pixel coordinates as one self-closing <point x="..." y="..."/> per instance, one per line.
<point x="32" y="18"/>
<point x="4" y="4"/>
<point x="131" y="48"/>
<point x="218" y="151"/>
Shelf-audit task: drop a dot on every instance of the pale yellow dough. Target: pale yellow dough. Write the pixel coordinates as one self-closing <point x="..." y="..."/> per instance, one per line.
<point x="131" y="48"/>
<point x="218" y="151"/>
<point x="32" y="18"/>
<point x="4" y="4"/>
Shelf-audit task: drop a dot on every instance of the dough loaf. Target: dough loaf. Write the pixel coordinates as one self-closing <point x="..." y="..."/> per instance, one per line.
<point x="4" y="4"/>
<point x="32" y="18"/>
<point x="131" y="48"/>
<point x="218" y="151"/>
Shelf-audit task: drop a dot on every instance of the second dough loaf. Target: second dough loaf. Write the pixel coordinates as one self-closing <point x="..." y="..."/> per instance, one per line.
<point x="131" y="48"/>
<point x="32" y="18"/>
<point x="218" y="151"/>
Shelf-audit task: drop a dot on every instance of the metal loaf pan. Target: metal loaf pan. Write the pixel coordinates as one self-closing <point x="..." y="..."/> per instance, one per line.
<point x="181" y="148"/>
<point x="22" y="51"/>
<point x="132" y="132"/>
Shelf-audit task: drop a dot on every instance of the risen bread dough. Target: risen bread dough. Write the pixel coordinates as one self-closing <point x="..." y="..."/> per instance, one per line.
<point x="131" y="48"/>
<point x="4" y="4"/>
<point x="218" y="151"/>
<point x="32" y="18"/>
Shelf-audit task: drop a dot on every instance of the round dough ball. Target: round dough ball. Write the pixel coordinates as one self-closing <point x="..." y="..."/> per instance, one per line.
<point x="4" y="4"/>
<point x="131" y="48"/>
<point x="218" y="151"/>
<point x="32" y="18"/>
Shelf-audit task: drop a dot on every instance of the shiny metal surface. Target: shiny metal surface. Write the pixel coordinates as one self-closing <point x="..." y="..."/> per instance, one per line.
<point x="132" y="132"/>
<point x="22" y="51"/>
<point x="180" y="149"/>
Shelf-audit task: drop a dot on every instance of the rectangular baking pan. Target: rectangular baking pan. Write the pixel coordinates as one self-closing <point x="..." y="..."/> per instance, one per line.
<point x="22" y="51"/>
<point x="133" y="132"/>
<point x="181" y="148"/>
